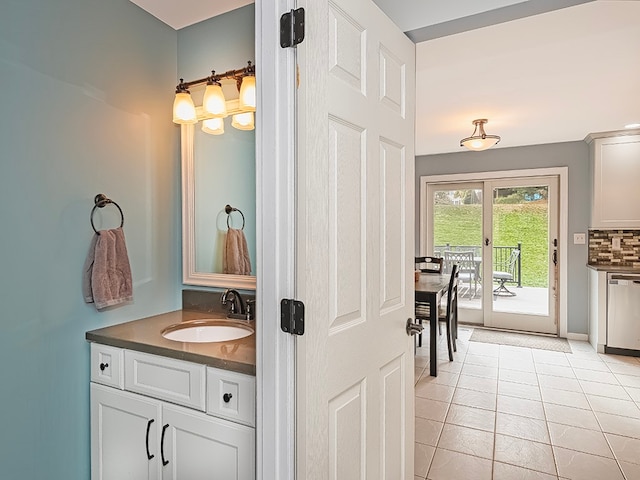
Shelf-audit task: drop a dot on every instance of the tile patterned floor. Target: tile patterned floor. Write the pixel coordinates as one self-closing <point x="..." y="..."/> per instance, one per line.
<point x="503" y="413"/>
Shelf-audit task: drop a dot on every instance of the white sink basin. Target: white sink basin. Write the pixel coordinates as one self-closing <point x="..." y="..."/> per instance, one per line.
<point x="206" y="331"/>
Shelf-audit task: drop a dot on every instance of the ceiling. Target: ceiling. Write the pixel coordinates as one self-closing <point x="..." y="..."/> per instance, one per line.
<point x="541" y="71"/>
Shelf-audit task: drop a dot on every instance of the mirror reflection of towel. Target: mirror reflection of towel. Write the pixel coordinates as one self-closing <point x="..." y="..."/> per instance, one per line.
<point x="236" y="259"/>
<point x="107" y="274"/>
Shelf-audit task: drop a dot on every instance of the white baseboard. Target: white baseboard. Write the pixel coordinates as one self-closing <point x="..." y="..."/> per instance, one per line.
<point x="583" y="337"/>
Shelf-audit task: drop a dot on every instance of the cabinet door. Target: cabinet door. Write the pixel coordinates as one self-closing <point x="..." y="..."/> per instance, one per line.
<point x="199" y="447"/>
<point x="124" y="427"/>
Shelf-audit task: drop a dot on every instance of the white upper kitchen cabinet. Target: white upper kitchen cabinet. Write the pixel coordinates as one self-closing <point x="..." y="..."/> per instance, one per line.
<point x="616" y="181"/>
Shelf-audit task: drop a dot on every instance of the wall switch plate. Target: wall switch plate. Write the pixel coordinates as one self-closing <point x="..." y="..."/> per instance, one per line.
<point x="615" y="243"/>
<point x="579" y="238"/>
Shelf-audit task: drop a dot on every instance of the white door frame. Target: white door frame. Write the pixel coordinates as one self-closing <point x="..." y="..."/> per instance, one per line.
<point x="275" y="243"/>
<point x="563" y="177"/>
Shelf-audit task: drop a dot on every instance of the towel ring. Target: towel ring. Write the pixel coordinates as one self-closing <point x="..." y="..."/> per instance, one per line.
<point x="100" y="201"/>
<point x="228" y="209"/>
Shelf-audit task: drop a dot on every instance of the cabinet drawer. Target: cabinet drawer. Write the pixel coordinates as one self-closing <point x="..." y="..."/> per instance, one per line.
<point x="107" y="365"/>
<point x="165" y="378"/>
<point x="231" y="395"/>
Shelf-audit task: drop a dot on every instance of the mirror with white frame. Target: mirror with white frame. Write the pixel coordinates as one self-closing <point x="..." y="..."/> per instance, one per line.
<point x="217" y="170"/>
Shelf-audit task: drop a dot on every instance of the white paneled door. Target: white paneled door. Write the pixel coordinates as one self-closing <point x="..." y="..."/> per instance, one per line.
<point x="355" y="244"/>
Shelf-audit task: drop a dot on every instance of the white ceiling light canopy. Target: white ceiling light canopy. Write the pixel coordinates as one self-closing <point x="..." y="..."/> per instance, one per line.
<point x="479" y="140"/>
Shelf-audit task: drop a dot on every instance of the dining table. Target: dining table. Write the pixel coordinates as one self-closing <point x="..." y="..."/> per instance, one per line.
<point x="429" y="289"/>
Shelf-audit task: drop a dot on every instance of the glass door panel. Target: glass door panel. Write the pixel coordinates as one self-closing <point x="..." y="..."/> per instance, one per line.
<point x="457" y="238"/>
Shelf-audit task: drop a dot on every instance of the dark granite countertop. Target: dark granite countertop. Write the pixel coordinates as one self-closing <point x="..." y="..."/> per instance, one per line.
<point x="614" y="268"/>
<point x="144" y="336"/>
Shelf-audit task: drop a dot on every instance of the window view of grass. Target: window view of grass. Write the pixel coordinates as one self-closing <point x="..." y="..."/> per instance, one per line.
<point x="517" y="220"/>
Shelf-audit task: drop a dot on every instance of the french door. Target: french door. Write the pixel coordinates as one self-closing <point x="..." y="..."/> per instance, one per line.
<point x="504" y="235"/>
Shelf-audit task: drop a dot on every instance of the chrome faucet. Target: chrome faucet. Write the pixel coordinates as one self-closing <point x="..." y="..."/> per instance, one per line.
<point x="236" y="304"/>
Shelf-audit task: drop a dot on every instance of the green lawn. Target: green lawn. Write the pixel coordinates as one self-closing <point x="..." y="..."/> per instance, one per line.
<point x="524" y="223"/>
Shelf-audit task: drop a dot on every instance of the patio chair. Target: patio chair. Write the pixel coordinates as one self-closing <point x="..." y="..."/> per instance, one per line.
<point x="506" y="273"/>
<point x="467" y="267"/>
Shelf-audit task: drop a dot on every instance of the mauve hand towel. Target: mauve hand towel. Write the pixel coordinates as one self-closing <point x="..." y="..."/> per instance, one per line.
<point x="107" y="273"/>
<point x="236" y="259"/>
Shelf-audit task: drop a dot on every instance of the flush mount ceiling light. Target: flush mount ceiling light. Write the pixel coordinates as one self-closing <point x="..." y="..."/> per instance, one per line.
<point x="632" y="125"/>
<point x="214" y="105"/>
<point x="479" y="140"/>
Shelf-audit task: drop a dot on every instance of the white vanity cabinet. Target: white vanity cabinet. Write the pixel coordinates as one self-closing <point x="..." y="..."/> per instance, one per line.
<point x="616" y="181"/>
<point x="135" y="436"/>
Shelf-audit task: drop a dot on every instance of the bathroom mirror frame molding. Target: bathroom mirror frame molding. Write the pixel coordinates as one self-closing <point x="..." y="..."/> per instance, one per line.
<point x="189" y="274"/>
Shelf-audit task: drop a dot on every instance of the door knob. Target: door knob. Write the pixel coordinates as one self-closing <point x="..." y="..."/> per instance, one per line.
<point x="413" y="328"/>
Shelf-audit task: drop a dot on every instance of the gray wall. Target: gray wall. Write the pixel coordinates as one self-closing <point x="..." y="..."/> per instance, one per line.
<point x="575" y="156"/>
<point x="87" y="89"/>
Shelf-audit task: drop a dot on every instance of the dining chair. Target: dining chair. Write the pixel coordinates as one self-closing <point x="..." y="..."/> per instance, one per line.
<point x="447" y="314"/>
<point x="429" y="264"/>
<point x="467" y="266"/>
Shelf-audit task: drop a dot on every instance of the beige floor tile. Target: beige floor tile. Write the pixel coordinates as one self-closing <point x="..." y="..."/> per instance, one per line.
<point x="520" y="406"/>
<point x="520" y="390"/>
<point x="479" y="384"/>
<point x="519" y="365"/>
<point x="597" y="365"/>
<point x="628" y="380"/>
<point x="471" y="417"/>
<point x="564" y="397"/>
<point x="625" y="369"/>
<point x="428" y="431"/>
<point x="604" y="390"/>
<point x="550" y="358"/>
<point x="575" y="417"/>
<point x="582" y="466"/>
<point x="524" y="453"/>
<point x="467" y="440"/>
<point x="559" y="383"/>
<point x="416" y="477"/>
<point x="625" y="426"/>
<point x="517" y="376"/>
<point x="624" y="408"/>
<point x="450" y="367"/>
<point x="471" y="398"/>
<point x="486" y="349"/>
<point x="634" y="393"/>
<point x="443" y="378"/>
<point x="481" y="360"/>
<point x="420" y="361"/>
<point x="435" y="391"/>
<point x="595" y="376"/>
<point x="631" y="470"/>
<point x="422" y="459"/>
<point x="555" y="370"/>
<point x="503" y="471"/>
<point x="448" y="465"/>
<point x="480" y="371"/>
<point x="618" y="359"/>
<point x="625" y="449"/>
<point x="431" y="409"/>
<point x="522" y="427"/>
<point x="580" y="439"/>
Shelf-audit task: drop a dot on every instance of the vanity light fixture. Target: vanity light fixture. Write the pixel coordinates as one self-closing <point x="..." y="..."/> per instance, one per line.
<point x="479" y="140"/>
<point x="214" y="105"/>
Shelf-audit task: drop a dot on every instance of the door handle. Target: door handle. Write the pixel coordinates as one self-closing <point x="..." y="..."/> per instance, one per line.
<point x="487" y="242"/>
<point x="413" y="328"/>
<point x="149" y="455"/>
<point x="555" y="257"/>
<point x="164" y="462"/>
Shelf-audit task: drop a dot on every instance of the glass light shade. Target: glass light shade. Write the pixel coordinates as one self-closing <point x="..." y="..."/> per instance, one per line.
<point x="184" y="111"/>
<point x="247" y="101"/>
<point x="213" y="103"/>
<point x="478" y="143"/>
<point x="243" y="121"/>
<point x="213" y="126"/>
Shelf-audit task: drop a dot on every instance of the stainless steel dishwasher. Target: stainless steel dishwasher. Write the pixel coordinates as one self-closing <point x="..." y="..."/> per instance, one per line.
<point x="623" y="314"/>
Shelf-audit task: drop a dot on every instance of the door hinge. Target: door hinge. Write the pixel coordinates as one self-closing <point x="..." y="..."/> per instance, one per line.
<point x="292" y="316"/>
<point x="292" y="28"/>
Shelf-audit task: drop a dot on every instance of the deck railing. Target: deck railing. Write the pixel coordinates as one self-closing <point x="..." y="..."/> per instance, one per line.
<point x="501" y="256"/>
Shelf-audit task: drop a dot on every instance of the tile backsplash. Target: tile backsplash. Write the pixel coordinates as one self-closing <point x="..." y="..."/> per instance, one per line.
<point x="601" y="251"/>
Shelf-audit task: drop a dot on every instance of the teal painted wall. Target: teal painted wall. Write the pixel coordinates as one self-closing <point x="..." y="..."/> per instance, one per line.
<point x="87" y="88"/>
<point x="575" y="156"/>
<point x="224" y="164"/>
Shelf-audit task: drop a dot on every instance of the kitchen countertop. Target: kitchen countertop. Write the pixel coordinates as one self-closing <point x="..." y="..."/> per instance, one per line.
<point x="144" y="336"/>
<point x="614" y="268"/>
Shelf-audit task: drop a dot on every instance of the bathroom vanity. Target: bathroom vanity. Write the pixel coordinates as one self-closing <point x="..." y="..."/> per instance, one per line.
<point x="163" y="409"/>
